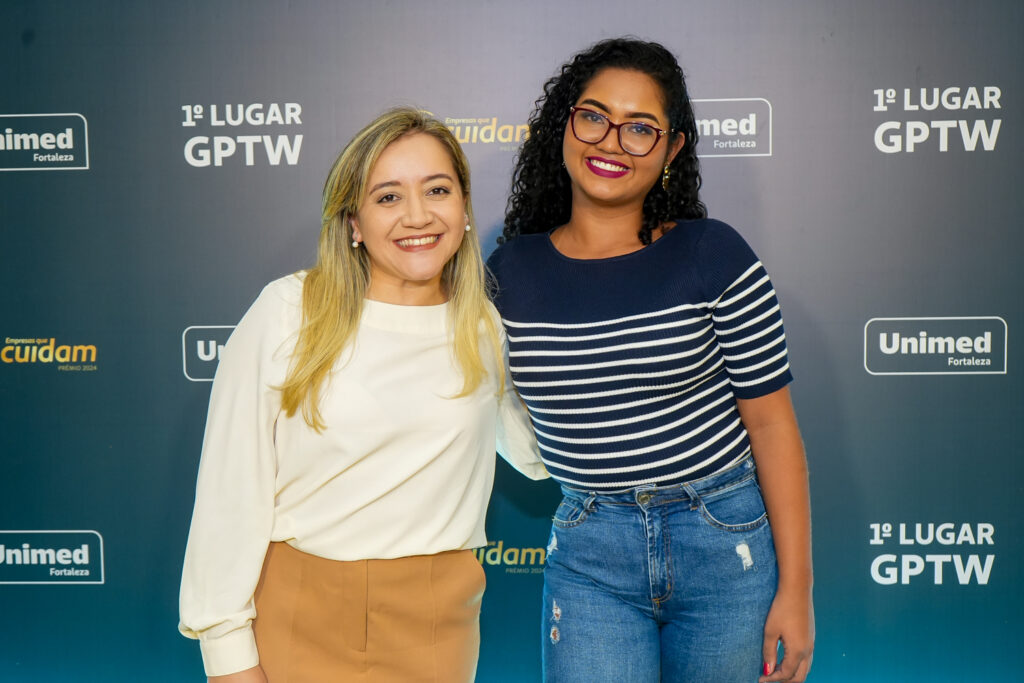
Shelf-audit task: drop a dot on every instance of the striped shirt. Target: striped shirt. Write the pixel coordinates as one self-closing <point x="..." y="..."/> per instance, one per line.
<point x="630" y="366"/>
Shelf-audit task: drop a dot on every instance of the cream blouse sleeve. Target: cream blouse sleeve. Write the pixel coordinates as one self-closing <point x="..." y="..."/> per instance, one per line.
<point x="234" y="505"/>
<point x="516" y="441"/>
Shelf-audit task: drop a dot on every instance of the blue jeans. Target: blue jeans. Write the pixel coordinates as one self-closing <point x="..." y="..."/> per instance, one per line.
<point x="651" y="584"/>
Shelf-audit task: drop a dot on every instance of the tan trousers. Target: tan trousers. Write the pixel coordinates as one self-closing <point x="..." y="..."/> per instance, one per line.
<point x="402" y="620"/>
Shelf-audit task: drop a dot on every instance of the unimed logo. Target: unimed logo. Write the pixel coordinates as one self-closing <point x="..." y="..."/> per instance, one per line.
<point x="44" y="142"/>
<point x="935" y="346"/>
<point x="200" y="350"/>
<point x="736" y="127"/>
<point x="48" y="557"/>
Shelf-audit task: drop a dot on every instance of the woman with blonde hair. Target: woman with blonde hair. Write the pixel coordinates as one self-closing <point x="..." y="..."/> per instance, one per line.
<point x="349" y="448"/>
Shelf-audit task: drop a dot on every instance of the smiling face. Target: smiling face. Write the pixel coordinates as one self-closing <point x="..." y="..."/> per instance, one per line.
<point x="411" y="220"/>
<point x="602" y="173"/>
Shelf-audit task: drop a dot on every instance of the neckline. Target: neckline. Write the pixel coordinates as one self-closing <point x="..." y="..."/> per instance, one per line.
<point x="431" y="319"/>
<point x="611" y="259"/>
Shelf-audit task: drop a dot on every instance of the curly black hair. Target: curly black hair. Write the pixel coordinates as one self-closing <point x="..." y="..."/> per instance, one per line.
<point x="541" y="197"/>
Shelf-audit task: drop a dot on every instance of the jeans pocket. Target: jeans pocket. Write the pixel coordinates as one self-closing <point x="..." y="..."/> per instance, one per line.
<point x="570" y="513"/>
<point x="739" y="508"/>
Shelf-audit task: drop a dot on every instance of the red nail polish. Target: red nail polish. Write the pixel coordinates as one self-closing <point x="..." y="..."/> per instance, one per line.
<point x="767" y="669"/>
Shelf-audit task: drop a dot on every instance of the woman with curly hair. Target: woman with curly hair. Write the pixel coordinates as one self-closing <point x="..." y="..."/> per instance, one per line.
<point x="349" y="448"/>
<point x="647" y="343"/>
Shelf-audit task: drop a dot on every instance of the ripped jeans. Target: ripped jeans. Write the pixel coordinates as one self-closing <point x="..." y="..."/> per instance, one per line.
<point x="669" y="584"/>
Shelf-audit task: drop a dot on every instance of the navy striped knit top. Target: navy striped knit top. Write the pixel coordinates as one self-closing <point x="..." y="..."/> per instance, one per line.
<point x="630" y="366"/>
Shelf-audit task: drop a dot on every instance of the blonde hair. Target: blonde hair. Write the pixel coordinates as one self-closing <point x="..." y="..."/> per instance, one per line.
<point x="334" y="289"/>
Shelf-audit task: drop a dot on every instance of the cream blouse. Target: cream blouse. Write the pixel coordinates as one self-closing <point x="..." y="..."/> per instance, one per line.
<point x="401" y="469"/>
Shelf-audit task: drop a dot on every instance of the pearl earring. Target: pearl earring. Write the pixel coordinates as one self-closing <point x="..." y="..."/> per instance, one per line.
<point x="355" y="244"/>
<point x="468" y="227"/>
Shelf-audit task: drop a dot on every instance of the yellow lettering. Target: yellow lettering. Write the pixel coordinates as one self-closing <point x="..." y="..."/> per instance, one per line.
<point x="46" y="351"/>
<point x="493" y="555"/>
<point x="487" y="132"/>
<point x="533" y="555"/>
<point x="88" y="353"/>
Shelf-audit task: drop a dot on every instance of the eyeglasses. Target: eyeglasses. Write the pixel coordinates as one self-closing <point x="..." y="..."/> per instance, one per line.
<point x="635" y="138"/>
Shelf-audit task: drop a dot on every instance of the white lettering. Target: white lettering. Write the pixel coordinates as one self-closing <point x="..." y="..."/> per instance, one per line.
<point x="714" y="127"/>
<point x="938" y="561"/>
<point x="952" y="98"/>
<point x="291" y="150"/>
<point x="992" y="95"/>
<point x="256" y="114"/>
<point x="887" y="141"/>
<point x="249" y="141"/>
<point x="211" y="351"/>
<point x="945" y="534"/>
<point x="887" y="570"/>
<point x="198" y="158"/>
<point x="912" y="566"/>
<point x="223" y="147"/>
<point x="202" y="151"/>
<point x="973" y="566"/>
<point x="944" y="127"/>
<point x="891" y="343"/>
<point x="887" y="575"/>
<point x="988" y="137"/>
<point x="917" y="131"/>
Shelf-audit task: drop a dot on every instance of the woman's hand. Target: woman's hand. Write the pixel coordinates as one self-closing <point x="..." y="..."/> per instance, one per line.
<point x="253" y="675"/>
<point x="791" y="620"/>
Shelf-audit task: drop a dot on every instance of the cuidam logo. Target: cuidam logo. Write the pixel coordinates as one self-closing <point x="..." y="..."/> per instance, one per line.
<point x="935" y="346"/>
<point x="44" y="142"/>
<point x="201" y="346"/>
<point x="48" y="557"/>
<point x="18" y="351"/>
<point x="486" y="129"/>
<point x="515" y="560"/>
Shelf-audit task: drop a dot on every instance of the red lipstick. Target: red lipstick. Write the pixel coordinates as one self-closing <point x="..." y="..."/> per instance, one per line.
<point x="606" y="172"/>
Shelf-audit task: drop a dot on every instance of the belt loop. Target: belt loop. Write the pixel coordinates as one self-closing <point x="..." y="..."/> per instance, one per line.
<point x="695" y="501"/>
<point x="588" y="504"/>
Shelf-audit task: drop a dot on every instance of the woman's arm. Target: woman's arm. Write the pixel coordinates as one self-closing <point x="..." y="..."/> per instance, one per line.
<point x="782" y="473"/>
<point x="516" y="440"/>
<point x="234" y="505"/>
<point x="253" y="675"/>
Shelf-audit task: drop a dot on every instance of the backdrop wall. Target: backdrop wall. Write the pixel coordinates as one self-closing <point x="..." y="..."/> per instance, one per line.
<point x="160" y="162"/>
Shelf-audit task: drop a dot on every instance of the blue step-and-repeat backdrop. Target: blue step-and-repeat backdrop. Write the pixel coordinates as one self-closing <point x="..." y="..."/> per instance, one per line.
<point x="160" y="162"/>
